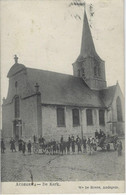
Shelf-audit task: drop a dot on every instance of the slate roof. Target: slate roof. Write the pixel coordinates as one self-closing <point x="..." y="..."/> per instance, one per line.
<point x="87" y="44"/>
<point x="107" y="95"/>
<point x="62" y="89"/>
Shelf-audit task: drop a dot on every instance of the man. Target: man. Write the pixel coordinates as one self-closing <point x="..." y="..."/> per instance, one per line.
<point x="61" y="145"/>
<point x="2" y="146"/>
<point x="61" y="140"/>
<point x="29" y="147"/>
<point x="12" y="145"/>
<point x="78" y="142"/>
<point x="40" y="140"/>
<point x="100" y="134"/>
<point x="73" y="144"/>
<point x="20" y="144"/>
<point x="43" y="140"/>
<point x="54" y="146"/>
<point x="23" y="148"/>
<point x="68" y="144"/>
<point x="119" y="148"/>
<point x="84" y="144"/>
<point x="34" y="139"/>
<point x="96" y="134"/>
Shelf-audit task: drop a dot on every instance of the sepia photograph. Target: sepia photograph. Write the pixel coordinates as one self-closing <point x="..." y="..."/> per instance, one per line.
<point x="62" y="96"/>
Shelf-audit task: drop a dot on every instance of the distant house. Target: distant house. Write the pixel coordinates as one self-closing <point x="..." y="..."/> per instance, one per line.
<point x="52" y="104"/>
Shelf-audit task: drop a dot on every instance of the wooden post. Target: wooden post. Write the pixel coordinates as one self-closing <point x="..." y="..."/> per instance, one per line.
<point x="39" y="110"/>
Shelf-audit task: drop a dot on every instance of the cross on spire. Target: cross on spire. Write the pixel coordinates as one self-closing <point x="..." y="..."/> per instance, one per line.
<point x="16" y="59"/>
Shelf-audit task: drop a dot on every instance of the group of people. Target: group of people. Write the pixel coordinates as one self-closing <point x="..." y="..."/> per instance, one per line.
<point x="63" y="146"/>
<point x="21" y="146"/>
<point x="72" y="142"/>
<point x="100" y="134"/>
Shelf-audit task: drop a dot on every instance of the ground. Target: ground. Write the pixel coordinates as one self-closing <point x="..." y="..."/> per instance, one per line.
<point x="100" y="165"/>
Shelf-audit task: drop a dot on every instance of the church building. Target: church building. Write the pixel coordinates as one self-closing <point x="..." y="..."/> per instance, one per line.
<point x="50" y="104"/>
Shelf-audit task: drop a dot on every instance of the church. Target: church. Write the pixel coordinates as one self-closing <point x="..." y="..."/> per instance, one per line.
<point x="50" y="104"/>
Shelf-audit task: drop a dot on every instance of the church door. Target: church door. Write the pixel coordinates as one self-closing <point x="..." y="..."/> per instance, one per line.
<point x="17" y="129"/>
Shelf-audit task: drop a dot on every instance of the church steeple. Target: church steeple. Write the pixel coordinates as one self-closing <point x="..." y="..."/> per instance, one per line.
<point x="87" y="44"/>
<point x="89" y="65"/>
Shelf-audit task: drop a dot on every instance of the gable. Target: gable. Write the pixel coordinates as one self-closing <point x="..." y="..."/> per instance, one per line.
<point x="16" y="68"/>
<point x="18" y="85"/>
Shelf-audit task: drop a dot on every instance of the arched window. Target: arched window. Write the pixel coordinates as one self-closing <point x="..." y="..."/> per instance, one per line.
<point x="119" y="109"/>
<point x="97" y="71"/>
<point x="17" y="107"/>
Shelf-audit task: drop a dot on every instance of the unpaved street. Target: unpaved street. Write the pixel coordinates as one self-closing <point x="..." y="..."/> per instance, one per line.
<point x="83" y="167"/>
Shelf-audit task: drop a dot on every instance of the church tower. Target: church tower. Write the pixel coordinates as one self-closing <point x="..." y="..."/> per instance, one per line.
<point x="89" y="65"/>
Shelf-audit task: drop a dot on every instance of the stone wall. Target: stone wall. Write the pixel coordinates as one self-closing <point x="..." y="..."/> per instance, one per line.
<point x="28" y="115"/>
<point x="51" y="130"/>
<point x="7" y="120"/>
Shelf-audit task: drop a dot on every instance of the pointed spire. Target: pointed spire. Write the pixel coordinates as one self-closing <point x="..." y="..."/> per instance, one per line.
<point x="87" y="44"/>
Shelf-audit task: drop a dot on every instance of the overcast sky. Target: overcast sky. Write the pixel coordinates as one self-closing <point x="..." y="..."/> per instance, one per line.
<point x="47" y="35"/>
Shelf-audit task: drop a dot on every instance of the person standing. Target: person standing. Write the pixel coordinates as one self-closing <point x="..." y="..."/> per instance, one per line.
<point x="96" y="134"/>
<point x="78" y="142"/>
<point x="54" y="146"/>
<point x="119" y="148"/>
<point x="61" y="140"/>
<point x="2" y="146"/>
<point x="20" y="144"/>
<point x="84" y="144"/>
<point x="12" y="145"/>
<point x="68" y="144"/>
<point x="61" y="145"/>
<point x="100" y="134"/>
<point x="34" y="139"/>
<point x="73" y="144"/>
<point x="23" y="147"/>
<point x="29" y="147"/>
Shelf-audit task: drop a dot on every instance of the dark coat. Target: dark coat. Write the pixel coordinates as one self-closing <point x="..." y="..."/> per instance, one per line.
<point x="23" y="148"/>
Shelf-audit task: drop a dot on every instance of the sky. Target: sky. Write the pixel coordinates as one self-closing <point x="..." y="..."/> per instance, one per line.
<point x="46" y="34"/>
